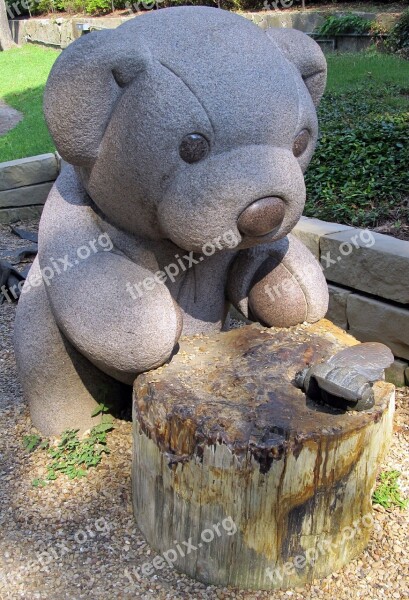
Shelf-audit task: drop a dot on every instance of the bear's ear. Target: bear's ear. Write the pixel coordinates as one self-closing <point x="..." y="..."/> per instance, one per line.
<point x="84" y="84"/>
<point x="306" y="55"/>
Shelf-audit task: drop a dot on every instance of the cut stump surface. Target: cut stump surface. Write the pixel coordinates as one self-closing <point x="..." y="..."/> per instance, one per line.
<point x="222" y="435"/>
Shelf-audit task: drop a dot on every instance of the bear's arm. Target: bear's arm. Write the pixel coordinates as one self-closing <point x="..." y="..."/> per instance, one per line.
<point x="93" y="299"/>
<point x="279" y="284"/>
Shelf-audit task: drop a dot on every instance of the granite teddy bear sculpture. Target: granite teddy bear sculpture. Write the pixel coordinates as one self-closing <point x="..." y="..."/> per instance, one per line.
<point x="187" y="131"/>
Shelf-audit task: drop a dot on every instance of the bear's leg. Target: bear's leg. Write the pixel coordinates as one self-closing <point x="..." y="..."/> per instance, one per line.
<point x="61" y="386"/>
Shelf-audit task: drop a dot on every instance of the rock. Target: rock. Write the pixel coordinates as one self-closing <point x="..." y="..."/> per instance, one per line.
<point x="367" y="261"/>
<point x="12" y="215"/>
<point x="396" y="373"/>
<point x="9" y="118"/>
<point x="24" y="234"/>
<point x="25" y="196"/>
<point x="337" y="309"/>
<point x="223" y="438"/>
<point x="10" y="280"/>
<point x="310" y="231"/>
<point x="28" y="171"/>
<point x="373" y="321"/>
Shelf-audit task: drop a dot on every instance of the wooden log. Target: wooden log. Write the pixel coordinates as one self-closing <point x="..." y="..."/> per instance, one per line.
<point x="272" y="489"/>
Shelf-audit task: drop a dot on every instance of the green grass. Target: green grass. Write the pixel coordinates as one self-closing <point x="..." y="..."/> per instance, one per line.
<point x="347" y="72"/>
<point x="24" y="72"/>
<point x="358" y="174"/>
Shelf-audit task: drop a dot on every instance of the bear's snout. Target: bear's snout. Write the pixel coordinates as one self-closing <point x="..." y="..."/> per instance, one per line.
<point x="261" y="217"/>
<point x="247" y="190"/>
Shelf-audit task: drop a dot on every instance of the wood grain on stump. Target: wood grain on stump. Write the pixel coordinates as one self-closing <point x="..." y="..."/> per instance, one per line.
<point x="222" y="431"/>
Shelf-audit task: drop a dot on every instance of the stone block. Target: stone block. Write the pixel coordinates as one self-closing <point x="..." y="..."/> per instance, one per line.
<point x="352" y="42"/>
<point x="307" y="21"/>
<point x="371" y="320"/>
<point x="9" y="118"/>
<point x="367" y="261"/>
<point x="337" y="309"/>
<point x="28" y="171"/>
<point x="396" y="373"/>
<point x="25" y="196"/>
<point x="310" y="231"/>
<point x="12" y="215"/>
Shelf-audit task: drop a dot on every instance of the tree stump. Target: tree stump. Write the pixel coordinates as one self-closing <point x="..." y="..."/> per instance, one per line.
<point x="240" y="479"/>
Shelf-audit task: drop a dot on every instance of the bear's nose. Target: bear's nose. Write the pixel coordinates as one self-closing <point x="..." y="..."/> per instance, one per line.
<point x="261" y="217"/>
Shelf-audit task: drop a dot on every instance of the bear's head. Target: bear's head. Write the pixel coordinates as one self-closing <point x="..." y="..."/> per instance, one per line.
<point x="187" y="123"/>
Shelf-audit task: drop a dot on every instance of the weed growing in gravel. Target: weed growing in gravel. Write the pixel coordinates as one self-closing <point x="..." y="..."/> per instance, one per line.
<point x="32" y="442"/>
<point x="388" y="494"/>
<point x="70" y="455"/>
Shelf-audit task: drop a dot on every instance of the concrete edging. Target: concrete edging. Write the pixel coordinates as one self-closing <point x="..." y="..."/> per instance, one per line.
<point x="369" y="291"/>
<point x="59" y="32"/>
<point x="25" y="184"/>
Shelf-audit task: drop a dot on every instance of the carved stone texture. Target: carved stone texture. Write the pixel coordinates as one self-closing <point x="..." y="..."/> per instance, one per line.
<point x="177" y="129"/>
<point x="222" y="435"/>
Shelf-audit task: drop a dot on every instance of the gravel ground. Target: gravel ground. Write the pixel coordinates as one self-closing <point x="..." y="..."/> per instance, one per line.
<point x="78" y="539"/>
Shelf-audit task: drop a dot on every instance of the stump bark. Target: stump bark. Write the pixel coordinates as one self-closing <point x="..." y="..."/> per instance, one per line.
<point x="240" y="479"/>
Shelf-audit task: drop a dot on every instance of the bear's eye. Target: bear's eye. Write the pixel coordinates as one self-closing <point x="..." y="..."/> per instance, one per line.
<point x="194" y="147"/>
<point x="301" y="142"/>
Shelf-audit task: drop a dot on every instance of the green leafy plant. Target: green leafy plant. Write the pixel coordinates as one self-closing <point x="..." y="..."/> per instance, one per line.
<point x="358" y="174"/>
<point x="102" y="408"/>
<point x="31" y="442"/>
<point x="92" y="7"/>
<point x="39" y="483"/>
<point x="97" y="6"/>
<point x="73" y="456"/>
<point x="398" y="40"/>
<point x="387" y="493"/>
<point x="340" y="24"/>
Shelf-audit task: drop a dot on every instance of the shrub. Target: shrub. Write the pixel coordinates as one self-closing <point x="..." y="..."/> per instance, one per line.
<point x="243" y="5"/>
<point x="340" y="24"/>
<point x="40" y="7"/>
<point x="358" y="174"/>
<point x="97" y="6"/>
<point x="398" y="40"/>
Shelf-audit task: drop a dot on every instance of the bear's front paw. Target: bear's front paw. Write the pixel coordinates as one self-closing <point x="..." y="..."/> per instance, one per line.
<point x="289" y="292"/>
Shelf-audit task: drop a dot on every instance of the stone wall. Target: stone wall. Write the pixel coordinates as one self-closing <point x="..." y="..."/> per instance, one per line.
<point x="25" y="185"/>
<point x="369" y="290"/>
<point x="59" y="32"/>
<point x="366" y="271"/>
